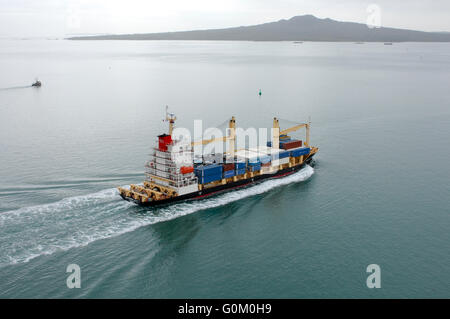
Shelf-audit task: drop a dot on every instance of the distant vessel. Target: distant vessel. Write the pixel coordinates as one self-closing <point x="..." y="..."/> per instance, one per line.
<point x="387" y="43"/>
<point x="37" y="83"/>
<point x="298" y="42"/>
<point x="174" y="174"/>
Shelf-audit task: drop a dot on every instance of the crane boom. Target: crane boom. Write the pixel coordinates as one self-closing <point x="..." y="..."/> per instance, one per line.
<point x="212" y="140"/>
<point x="231" y="138"/>
<point x="294" y="128"/>
<point x="307" y="126"/>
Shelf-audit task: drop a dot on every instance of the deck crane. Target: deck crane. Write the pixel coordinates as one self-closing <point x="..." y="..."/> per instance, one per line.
<point x="231" y="137"/>
<point x="276" y="132"/>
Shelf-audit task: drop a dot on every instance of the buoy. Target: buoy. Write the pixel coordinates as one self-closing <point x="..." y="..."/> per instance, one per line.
<point x="260" y="92"/>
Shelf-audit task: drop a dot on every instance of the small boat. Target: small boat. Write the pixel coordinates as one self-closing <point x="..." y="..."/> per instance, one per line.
<point x="37" y="83"/>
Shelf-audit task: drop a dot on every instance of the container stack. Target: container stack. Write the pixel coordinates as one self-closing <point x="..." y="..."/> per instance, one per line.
<point x="287" y="143"/>
<point x="290" y="144"/>
<point x="240" y="168"/>
<point x="300" y="151"/>
<point x="248" y="156"/>
<point x="264" y="159"/>
<point x="228" y="170"/>
<point x="254" y="166"/>
<point x="283" y="154"/>
<point x="208" y="173"/>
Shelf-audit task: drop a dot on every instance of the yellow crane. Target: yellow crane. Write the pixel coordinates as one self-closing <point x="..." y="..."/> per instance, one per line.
<point x="276" y="132"/>
<point x="231" y="138"/>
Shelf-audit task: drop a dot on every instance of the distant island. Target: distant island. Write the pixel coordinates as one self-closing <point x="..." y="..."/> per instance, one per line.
<point x="298" y="28"/>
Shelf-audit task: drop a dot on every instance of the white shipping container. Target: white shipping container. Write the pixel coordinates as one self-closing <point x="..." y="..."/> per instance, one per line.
<point x="280" y="161"/>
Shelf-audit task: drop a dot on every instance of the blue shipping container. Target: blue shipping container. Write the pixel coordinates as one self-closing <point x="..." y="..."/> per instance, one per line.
<point x="283" y="154"/>
<point x="300" y="151"/>
<point x="206" y="170"/>
<point x="282" y="141"/>
<point x="254" y="163"/>
<point x="254" y="168"/>
<point x="240" y="165"/>
<point x="210" y="178"/>
<point x="285" y="141"/>
<point x="228" y="174"/>
<point x="241" y="171"/>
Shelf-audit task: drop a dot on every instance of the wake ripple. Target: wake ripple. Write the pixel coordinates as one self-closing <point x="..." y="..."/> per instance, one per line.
<point x="34" y="231"/>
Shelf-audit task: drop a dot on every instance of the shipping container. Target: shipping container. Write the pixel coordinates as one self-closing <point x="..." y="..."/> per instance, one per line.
<point x="300" y="151"/>
<point x="228" y="174"/>
<point x="228" y="167"/>
<point x="254" y="163"/>
<point x="291" y="144"/>
<point x="274" y="153"/>
<point x="210" y="178"/>
<point x="247" y="156"/>
<point x="254" y="168"/>
<point x="205" y="170"/>
<point x="283" y="154"/>
<point x="241" y="171"/>
<point x="240" y="165"/>
<point x="280" y="161"/>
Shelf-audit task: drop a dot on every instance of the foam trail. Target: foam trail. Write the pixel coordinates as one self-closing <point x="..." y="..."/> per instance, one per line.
<point x="30" y="232"/>
<point x="15" y="87"/>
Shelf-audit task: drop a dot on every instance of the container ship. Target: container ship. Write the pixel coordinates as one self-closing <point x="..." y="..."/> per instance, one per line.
<point x="174" y="174"/>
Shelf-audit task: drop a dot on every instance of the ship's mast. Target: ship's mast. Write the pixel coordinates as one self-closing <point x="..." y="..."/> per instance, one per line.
<point x="232" y="136"/>
<point x="171" y="118"/>
<point x="276" y="134"/>
<point x="308" y="126"/>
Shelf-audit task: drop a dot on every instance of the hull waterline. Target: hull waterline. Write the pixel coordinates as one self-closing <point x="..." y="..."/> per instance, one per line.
<point x="216" y="190"/>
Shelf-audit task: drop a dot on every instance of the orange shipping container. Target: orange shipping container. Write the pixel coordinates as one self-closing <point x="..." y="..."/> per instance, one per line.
<point x="291" y="145"/>
<point x="228" y="167"/>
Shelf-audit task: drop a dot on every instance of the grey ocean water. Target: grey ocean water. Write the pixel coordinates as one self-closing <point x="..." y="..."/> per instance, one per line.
<point x="379" y="192"/>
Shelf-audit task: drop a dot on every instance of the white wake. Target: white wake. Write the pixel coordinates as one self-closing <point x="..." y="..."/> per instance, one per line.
<point x="30" y="232"/>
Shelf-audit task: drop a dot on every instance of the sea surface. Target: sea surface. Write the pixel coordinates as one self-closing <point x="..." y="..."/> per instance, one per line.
<point x="379" y="192"/>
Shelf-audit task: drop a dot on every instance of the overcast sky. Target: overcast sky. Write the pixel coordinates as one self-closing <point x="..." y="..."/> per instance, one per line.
<point x="57" y="18"/>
